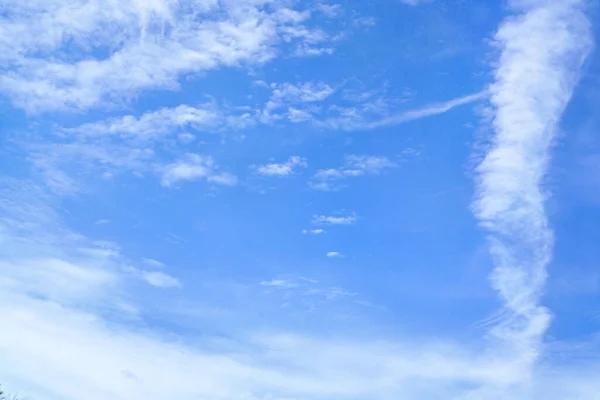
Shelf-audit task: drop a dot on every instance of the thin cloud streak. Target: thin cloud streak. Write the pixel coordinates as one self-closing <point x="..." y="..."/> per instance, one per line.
<point x="428" y="111"/>
<point x="541" y="53"/>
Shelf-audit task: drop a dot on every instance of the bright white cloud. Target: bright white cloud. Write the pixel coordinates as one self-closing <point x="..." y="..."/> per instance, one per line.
<point x="150" y="45"/>
<point x="334" y="254"/>
<point x="541" y="53"/>
<point x="284" y="169"/>
<point x="195" y="167"/>
<point x="334" y="220"/>
<point x="46" y="348"/>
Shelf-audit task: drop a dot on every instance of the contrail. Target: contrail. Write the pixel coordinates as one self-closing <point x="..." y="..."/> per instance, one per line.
<point x="541" y="51"/>
<point x="433" y="109"/>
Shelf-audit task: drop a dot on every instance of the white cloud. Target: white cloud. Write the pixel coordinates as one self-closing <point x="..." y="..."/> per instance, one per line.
<point x="160" y="279"/>
<point x="286" y="97"/>
<point x="329" y="10"/>
<point x="333" y="220"/>
<point x="284" y="169"/>
<point x="279" y="283"/>
<point x="428" y="111"/>
<point x="56" y="279"/>
<point x="47" y="348"/>
<point x="367" y="117"/>
<point x="541" y="53"/>
<point x="186" y="138"/>
<point x="150" y="46"/>
<point x="57" y="312"/>
<point x="334" y="254"/>
<point x="194" y="167"/>
<point x="313" y="231"/>
<point x="153" y="263"/>
<point x="355" y="166"/>
<point x="60" y="292"/>
<point x="305" y="92"/>
<point x="153" y="125"/>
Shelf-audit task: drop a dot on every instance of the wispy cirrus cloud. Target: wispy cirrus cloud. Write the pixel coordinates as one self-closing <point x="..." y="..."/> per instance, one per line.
<point x="541" y="52"/>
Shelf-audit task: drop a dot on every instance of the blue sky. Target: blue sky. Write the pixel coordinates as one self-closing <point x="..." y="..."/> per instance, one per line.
<point x="289" y="199"/>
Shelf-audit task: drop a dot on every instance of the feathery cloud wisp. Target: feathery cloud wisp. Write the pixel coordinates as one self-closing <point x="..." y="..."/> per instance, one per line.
<point x="428" y="111"/>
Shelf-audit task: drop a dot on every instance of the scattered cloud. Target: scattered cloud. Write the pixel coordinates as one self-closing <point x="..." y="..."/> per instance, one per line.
<point x="313" y="231"/>
<point x="195" y="167"/>
<point x="145" y="46"/>
<point x="279" y="283"/>
<point x="287" y="97"/>
<point x="334" y="220"/>
<point x="153" y="263"/>
<point x="160" y="279"/>
<point x="310" y="292"/>
<point x="334" y="254"/>
<point x="153" y="125"/>
<point x="369" y="115"/>
<point x="329" y="10"/>
<point x="102" y="222"/>
<point x="355" y="166"/>
<point x="284" y="169"/>
<point x="541" y="53"/>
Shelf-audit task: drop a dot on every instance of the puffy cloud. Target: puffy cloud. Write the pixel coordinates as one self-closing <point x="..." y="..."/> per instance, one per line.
<point x="284" y="169"/>
<point x="194" y="167"/>
<point x="355" y="166"/>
